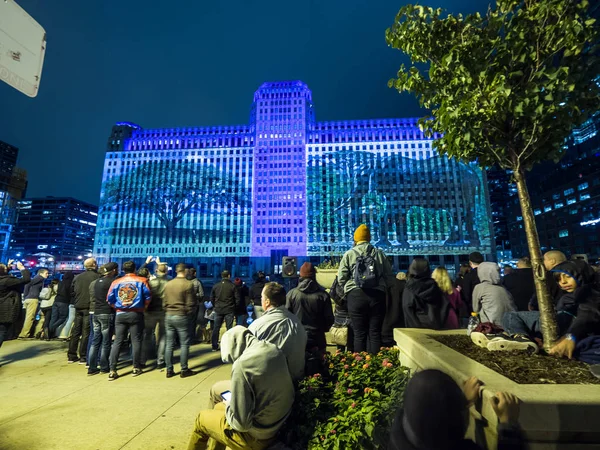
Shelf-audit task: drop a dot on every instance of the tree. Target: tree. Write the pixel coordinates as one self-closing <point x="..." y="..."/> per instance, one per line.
<point x="506" y="87"/>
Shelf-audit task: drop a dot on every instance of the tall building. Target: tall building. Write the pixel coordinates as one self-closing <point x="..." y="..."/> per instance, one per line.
<point x="60" y="226"/>
<point x="565" y="198"/>
<point x="502" y="191"/>
<point x="286" y="185"/>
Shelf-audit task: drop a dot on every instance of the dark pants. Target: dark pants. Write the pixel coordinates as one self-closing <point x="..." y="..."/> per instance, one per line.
<point x="367" y="310"/>
<point x="60" y="314"/>
<point x="47" y="319"/>
<point x="81" y="329"/>
<point x="192" y="322"/>
<point x="177" y="325"/>
<point x="91" y="338"/>
<point x="527" y="323"/>
<point x="4" y="326"/>
<point x="217" y="328"/>
<point x="132" y="322"/>
<point x="100" y="348"/>
<point x="154" y="340"/>
<point x="240" y="319"/>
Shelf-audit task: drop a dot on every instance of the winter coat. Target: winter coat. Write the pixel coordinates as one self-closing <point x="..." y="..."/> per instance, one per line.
<point x="469" y="281"/>
<point x="130" y="293"/>
<point x="10" y="295"/>
<point x="80" y="289"/>
<point x="256" y="291"/>
<point x="224" y="297"/>
<point x="34" y="287"/>
<point x="394" y="317"/>
<point x="456" y="304"/>
<point x="424" y="304"/>
<point x="521" y="286"/>
<point x="244" y="300"/>
<point x="490" y="299"/>
<point x="312" y="305"/>
<point x="382" y="267"/>
<point x="157" y="288"/>
<point x="101" y="288"/>
<point x="64" y="294"/>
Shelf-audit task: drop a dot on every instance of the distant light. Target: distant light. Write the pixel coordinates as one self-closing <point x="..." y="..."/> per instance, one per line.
<point x="80" y="257"/>
<point x="32" y="263"/>
<point x="89" y="255"/>
<point x="18" y="254"/>
<point x="590" y="222"/>
<point x="50" y="259"/>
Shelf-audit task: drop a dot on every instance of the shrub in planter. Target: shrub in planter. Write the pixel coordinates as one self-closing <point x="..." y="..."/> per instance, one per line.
<point x="351" y="407"/>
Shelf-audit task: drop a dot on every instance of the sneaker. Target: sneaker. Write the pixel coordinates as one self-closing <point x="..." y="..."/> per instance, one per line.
<point x="482" y="340"/>
<point x="93" y="372"/>
<point x="216" y="349"/>
<point x="170" y="373"/>
<point x="187" y="373"/>
<point x="83" y="362"/>
<point x="514" y="342"/>
<point x="161" y="366"/>
<point x="136" y="372"/>
<point x="112" y="376"/>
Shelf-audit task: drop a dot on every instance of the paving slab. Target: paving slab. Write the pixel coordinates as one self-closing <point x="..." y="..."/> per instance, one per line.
<point x="50" y="404"/>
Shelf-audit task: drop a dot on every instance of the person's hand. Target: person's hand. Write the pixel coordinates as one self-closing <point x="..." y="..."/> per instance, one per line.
<point x="530" y="307"/>
<point x="20" y="266"/>
<point x="566" y="347"/>
<point x="471" y="388"/>
<point x="10" y="261"/>
<point x="506" y="407"/>
<point x="158" y="260"/>
<point x="149" y="259"/>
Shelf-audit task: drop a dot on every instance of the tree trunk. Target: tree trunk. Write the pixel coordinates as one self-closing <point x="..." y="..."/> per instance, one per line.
<point x="546" y="305"/>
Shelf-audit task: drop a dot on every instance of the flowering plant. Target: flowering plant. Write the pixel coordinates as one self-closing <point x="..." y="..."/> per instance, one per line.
<point x="351" y="407"/>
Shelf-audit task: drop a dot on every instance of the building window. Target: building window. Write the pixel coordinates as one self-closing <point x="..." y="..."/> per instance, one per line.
<point x="584" y="196"/>
<point x="569" y="191"/>
<point x="558" y="205"/>
<point x="563" y="233"/>
<point x="547" y="208"/>
<point x="571" y="200"/>
<point x="582" y="186"/>
<point x="537" y="212"/>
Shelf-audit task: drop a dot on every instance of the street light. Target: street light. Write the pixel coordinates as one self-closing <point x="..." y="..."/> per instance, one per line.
<point x="80" y="257"/>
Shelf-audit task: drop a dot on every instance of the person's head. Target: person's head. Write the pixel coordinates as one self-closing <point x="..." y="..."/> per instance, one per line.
<point x="434" y="415"/>
<point x="507" y="270"/>
<point x="307" y="270"/>
<point x="67" y="278"/>
<point x="553" y="258"/>
<point x="225" y="274"/>
<point x="524" y="263"/>
<point x="109" y="269"/>
<point x="144" y="273"/>
<point x="128" y="267"/>
<point x="260" y="276"/>
<point x="475" y="259"/>
<point x="181" y="270"/>
<point x="442" y="279"/>
<point x="234" y="342"/>
<point x="489" y="272"/>
<point x="54" y="282"/>
<point x="90" y="264"/>
<point x="419" y="268"/>
<point x="162" y="269"/>
<point x="273" y="295"/>
<point x="43" y="273"/>
<point x="238" y="281"/>
<point x="571" y="275"/>
<point x="192" y="273"/>
<point x="3" y="269"/>
<point x="464" y="269"/>
<point x="401" y="276"/>
<point x="362" y="234"/>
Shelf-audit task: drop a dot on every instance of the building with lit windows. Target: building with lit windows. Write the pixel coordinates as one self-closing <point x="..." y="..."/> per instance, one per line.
<point x="62" y="227"/>
<point x="565" y="198"/>
<point x="242" y="197"/>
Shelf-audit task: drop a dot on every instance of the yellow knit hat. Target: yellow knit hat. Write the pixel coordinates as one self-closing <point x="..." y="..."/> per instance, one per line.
<point x="362" y="233"/>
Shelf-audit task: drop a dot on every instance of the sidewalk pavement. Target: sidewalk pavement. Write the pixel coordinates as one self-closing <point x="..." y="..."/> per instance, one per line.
<point x="47" y="404"/>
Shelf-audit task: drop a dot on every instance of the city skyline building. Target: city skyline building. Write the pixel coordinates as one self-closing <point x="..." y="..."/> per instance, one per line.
<point x="244" y="196"/>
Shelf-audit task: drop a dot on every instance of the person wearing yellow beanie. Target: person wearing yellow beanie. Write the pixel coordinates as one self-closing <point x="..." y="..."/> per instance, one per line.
<point x="362" y="234"/>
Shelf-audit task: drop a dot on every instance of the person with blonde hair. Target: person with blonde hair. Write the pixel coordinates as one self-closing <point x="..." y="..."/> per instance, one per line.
<point x="442" y="279"/>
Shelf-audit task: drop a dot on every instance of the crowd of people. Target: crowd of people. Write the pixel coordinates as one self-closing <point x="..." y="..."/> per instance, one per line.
<point x="274" y="336"/>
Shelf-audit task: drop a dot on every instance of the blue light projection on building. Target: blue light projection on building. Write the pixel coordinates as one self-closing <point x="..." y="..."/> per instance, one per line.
<point x="285" y="184"/>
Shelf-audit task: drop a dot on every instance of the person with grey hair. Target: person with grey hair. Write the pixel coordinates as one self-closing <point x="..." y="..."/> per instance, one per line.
<point x="81" y="294"/>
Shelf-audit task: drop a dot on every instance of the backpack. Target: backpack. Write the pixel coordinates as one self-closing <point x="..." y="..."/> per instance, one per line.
<point x="365" y="269"/>
<point x="336" y="292"/>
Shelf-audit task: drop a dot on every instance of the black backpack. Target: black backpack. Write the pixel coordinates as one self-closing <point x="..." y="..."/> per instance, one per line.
<point x="336" y="292"/>
<point x="365" y="269"/>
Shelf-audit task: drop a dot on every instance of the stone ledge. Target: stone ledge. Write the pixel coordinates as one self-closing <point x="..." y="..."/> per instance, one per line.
<point x="556" y="417"/>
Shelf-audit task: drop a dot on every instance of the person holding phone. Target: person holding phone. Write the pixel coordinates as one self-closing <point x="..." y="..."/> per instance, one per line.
<point x="259" y="399"/>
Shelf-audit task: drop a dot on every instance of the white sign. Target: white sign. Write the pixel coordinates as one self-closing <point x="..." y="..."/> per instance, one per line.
<point x="22" y="48"/>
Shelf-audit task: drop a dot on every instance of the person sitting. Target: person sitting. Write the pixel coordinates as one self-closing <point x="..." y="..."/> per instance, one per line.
<point x="452" y="296"/>
<point x="490" y="299"/>
<point x="262" y="395"/>
<point x="551" y="259"/>
<point x="435" y="415"/>
<point x="423" y="303"/>
<point x="312" y="305"/>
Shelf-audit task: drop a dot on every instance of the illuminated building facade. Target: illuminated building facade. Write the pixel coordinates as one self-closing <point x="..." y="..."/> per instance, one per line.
<point x="242" y="197"/>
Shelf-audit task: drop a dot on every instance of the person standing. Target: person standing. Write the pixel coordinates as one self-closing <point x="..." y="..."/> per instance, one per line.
<point x="224" y="296"/>
<point x="31" y="301"/>
<point x="60" y="308"/>
<point x="81" y="293"/>
<point x="10" y="296"/>
<point x="154" y="319"/>
<point x="180" y="301"/>
<point x="256" y="291"/>
<point x="103" y="319"/>
<point x="241" y="308"/>
<point x="394" y="317"/>
<point x="129" y="296"/>
<point x="46" y="308"/>
<point x="423" y="303"/>
<point x="366" y="302"/>
<point x="198" y="305"/>
<point x="471" y="279"/>
<point x="452" y="295"/>
<point x="520" y="283"/>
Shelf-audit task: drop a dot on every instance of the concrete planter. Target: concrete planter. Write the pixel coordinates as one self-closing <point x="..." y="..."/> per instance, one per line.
<point x="553" y="417"/>
<point x="325" y="277"/>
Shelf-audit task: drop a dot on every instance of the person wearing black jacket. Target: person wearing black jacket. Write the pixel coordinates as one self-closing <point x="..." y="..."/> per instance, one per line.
<point x="520" y="283"/>
<point x="10" y="296"/>
<point x="80" y="290"/>
<point x="104" y="319"/>
<point x="31" y="296"/>
<point x="224" y="296"/>
<point x="394" y="317"/>
<point x="241" y="308"/>
<point x="256" y="292"/>
<point x="312" y="305"/>
<point x="60" y="308"/>
<point x="471" y="279"/>
<point x="423" y="302"/>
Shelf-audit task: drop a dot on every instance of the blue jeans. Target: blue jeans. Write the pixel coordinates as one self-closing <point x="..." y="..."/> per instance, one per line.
<point x="100" y="348"/>
<point x="217" y="328"/>
<point x="241" y="320"/>
<point x="180" y="325"/>
<point x="151" y="320"/>
<point x="527" y="323"/>
<point x="60" y="313"/>
<point x="132" y="322"/>
<point x="90" y="342"/>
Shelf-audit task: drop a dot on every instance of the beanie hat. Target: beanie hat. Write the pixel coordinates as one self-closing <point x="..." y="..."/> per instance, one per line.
<point x="307" y="270"/>
<point x="237" y="281"/>
<point x="362" y="233"/>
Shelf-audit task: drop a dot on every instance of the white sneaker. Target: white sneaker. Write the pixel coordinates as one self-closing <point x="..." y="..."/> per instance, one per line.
<point x="480" y="339"/>
<point x="511" y="343"/>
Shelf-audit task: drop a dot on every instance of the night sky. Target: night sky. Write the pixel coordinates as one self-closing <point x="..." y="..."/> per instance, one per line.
<point x="191" y="63"/>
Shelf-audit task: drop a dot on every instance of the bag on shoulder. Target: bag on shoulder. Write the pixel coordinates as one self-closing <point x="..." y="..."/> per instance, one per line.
<point x="339" y="335"/>
<point x="336" y="292"/>
<point x="365" y="270"/>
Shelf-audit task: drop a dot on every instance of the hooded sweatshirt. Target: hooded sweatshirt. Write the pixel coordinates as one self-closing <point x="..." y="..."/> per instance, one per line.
<point x="423" y="302"/>
<point x="312" y="305"/>
<point x="262" y="391"/>
<point x="490" y="299"/>
<point x="64" y="289"/>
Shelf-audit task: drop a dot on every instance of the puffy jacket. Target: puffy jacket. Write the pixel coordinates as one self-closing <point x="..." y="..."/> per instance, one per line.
<point x="382" y="266"/>
<point x="34" y="287"/>
<point x="129" y="293"/>
<point x="10" y="295"/>
<point x="157" y="288"/>
<point x="312" y="305"/>
<point x="224" y="296"/>
<point x="490" y="299"/>
<point x="81" y="288"/>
